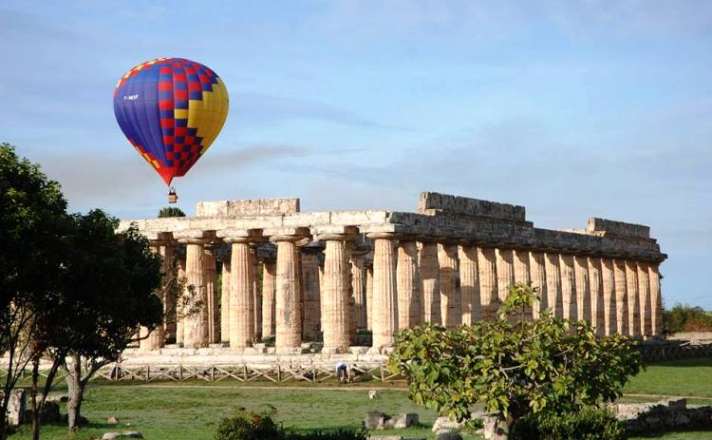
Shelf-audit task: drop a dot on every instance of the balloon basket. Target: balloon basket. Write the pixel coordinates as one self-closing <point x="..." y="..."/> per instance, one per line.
<point x="172" y="196"/>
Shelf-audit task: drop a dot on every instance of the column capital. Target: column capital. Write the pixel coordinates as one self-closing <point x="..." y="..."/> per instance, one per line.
<point x="232" y="235"/>
<point x="193" y="236"/>
<point x="381" y="235"/>
<point x="286" y="234"/>
<point x="158" y="238"/>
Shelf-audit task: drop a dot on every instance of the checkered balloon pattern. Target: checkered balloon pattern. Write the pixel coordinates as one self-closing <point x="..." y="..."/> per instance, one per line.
<point x="171" y="110"/>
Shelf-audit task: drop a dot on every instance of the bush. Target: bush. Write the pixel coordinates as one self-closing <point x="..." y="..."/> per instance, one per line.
<point x="588" y="424"/>
<point x="684" y="318"/>
<point x="248" y="426"/>
<point x="340" y="434"/>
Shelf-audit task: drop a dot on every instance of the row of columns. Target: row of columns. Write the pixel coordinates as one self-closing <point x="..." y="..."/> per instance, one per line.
<point x="409" y="282"/>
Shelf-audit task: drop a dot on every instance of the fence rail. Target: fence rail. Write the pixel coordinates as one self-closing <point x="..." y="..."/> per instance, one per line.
<point x="275" y="373"/>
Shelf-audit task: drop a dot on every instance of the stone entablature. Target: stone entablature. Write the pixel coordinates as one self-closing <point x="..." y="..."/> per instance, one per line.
<point x="605" y="238"/>
<point x="305" y="276"/>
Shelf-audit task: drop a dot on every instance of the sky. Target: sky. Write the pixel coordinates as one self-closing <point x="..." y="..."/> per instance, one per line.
<point x="571" y="108"/>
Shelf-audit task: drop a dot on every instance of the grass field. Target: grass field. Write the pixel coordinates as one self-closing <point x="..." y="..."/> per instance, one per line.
<point x="192" y="411"/>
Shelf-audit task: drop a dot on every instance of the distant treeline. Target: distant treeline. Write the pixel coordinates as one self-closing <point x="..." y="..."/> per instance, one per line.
<point x="686" y="318"/>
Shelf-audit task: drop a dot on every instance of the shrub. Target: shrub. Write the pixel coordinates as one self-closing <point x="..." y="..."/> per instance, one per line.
<point x="247" y="425"/>
<point x="339" y="434"/>
<point x="513" y="365"/>
<point x="591" y="423"/>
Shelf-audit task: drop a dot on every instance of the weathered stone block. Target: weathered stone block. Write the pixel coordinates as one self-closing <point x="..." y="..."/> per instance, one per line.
<point x="449" y="204"/>
<point x="247" y="208"/>
<point x="16" y="407"/>
<point x="616" y="228"/>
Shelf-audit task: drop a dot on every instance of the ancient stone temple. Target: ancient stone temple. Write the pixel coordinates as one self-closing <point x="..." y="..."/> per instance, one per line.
<point x="293" y="277"/>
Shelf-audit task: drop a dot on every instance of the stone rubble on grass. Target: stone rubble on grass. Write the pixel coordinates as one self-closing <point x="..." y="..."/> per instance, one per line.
<point x="120" y="435"/>
<point x="445" y="423"/>
<point x="380" y="420"/>
<point x="665" y="415"/>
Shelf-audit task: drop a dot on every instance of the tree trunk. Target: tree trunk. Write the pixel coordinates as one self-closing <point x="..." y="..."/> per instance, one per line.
<point x="35" y="407"/>
<point x="76" y="393"/>
<point x="496" y="428"/>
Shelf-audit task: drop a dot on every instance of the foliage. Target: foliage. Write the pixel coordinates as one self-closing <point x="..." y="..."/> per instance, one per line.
<point x="588" y="424"/>
<point x="111" y="279"/>
<point x="685" y="318"/>
<point x="247" y="425"/>
<point x="33" y="222"/>
<point x="513" y="365"/>
<point x="339" y="434"/>
<point x="170" y="211"/>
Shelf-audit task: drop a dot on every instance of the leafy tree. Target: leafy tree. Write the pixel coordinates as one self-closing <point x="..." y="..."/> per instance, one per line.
<point x="112" y="279"/>
<point x="514" y="366"/>
<point x="32" y="223"/>
<point x="170" y="211"/>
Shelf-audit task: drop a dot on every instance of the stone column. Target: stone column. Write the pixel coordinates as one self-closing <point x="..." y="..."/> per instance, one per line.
<point x="311" y="289"/>
<point x="487" y="265"/>
<point x="450" y="307"/>
<point x="537" y="268"/>
<point x="408" y="285"/>
<point x="646" y="313"/>
<point x="195" y="325"/>
<point x="505" y="272"/>
<point x="429" y="279"/>
<point x="620" y="284"/>
<point x="211" y="294"/>
<point x="256" y="293"/>
<point x="555" y="295"/>
<point x="469" y="284"/>
<point x="335" y="296"/>
<point x="358" y="284"/>
<point x="152" y="340"/>
<point x="167" y="252"/>
<point x="568" y="287"/>
<point x="631" y="276"/>
<point x="180" y="300"/>
<point x="384" y="290"/>
<point x="288" y="336"/>
<point x="225" y="301"/>
<point x="596" y="288"/>
<point x="583" y="289"/>
<point x="656" y="301"/>
<point x="369" y="296"/>
<point x="520" y="260"/>
<point x="350" y="301"/>
<point x="268" y="303"/>
<point x="608" y="287"/>
<point x="242" y="330"/>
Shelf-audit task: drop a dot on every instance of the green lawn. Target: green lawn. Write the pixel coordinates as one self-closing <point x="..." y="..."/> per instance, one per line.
<point x="192" y="411"/>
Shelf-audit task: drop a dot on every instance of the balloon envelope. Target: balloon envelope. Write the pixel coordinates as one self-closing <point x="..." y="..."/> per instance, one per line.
<point x="171" y="110"/>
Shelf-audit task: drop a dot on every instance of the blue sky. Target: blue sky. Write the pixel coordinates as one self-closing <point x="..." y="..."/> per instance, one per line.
<point x="571" y="108"/>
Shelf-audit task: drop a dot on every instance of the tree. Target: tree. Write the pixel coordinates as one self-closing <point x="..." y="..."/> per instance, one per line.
<point x="514" y="366"/>
<point x="32" y="223"/>
<point x="112" y="279"/>
<point x="170" y="211"/>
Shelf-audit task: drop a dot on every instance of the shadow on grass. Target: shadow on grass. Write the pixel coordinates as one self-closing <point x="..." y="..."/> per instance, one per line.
<point x="667" y="433"/>
<point x="698" y="362"/>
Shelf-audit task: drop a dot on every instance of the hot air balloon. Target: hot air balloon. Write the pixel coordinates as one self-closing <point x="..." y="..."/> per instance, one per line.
<point x="171" y="110"/>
